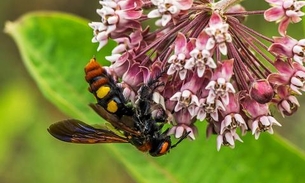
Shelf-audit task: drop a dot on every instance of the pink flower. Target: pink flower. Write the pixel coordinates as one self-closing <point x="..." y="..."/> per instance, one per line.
<point x="290" y="48"/>
<point x="290" y="74"/>
<point x="220" y="86"/>
<point x="299" y="51"/>
<point x="182" y="53"/>
<point x="185" y="99"/>
<point x="218" y="32"/>
<point x="287" y="104"/>
<point x="232" y="118"/>
<point x="211" y="66"/>
<point x="168" y="9"/>
<point x="284" y="11"/>
<point x="260" y="119"/>
<point x="200" y="56"/>
<point x="228" y="139"/>
<point x="116" y="17"/>
<point x="181" y="129"/>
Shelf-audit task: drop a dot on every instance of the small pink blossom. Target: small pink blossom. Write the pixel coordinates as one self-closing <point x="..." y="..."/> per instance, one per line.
<point x="101" y="33"/>
<point x="200" y="56"/>
<point x="232" y="118"/>
<point x="220" y="85"/>
<point x="212" y="108"/>
<point x="200" y="109"/>
<point x="287" y="103"/>
<point x="177" y="61"/>
<point x="290" y="48"/>
<point x="134" y="75"/>
<point x="283" y="46"/>
<point x="168" y="9"/>
<point x="284" y="11"/>
<point x="292" y="74"/>
<point x="260" y="119"/>
<point x="263" y="124"/>
<point x="299" y="51"/>
<point x="185" y="99"/>
<point x="116" y="16"/>
<point x="179" y="130"/>
<point x="228" y="138"/>
<point x="218" y="32"/>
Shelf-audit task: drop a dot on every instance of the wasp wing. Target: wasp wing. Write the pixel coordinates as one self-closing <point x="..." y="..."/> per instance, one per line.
<point x="72" y="130"/>
<point x="124" y="123"/>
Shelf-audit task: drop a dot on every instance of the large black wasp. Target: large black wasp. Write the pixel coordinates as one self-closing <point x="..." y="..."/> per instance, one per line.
<point x="130" y="124"/>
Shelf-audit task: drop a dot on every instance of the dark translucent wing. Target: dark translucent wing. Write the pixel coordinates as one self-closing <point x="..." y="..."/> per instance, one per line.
<point x="124" y="123"/>
<point x="72" y="130"/>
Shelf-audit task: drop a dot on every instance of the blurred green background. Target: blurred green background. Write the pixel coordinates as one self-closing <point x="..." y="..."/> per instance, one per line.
<point x="27" y="152"/>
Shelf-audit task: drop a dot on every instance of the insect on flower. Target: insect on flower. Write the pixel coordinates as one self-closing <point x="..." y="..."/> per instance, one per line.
<point x="128" y="124"/>
<point x="218" y="69"/>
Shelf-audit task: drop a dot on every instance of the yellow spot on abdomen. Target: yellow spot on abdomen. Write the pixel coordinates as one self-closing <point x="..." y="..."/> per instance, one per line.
<point x="102" y="91"/>
<point x="112" y="106"/>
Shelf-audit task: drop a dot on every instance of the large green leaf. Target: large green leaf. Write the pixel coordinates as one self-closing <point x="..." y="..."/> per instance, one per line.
<point x="55" y="48"/>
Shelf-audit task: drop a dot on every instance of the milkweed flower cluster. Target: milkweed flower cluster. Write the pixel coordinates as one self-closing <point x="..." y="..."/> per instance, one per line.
<point x="215" y="68"/>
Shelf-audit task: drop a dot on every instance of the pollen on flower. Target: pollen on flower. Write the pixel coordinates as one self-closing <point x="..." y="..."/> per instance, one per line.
<point x="212" y="66"/>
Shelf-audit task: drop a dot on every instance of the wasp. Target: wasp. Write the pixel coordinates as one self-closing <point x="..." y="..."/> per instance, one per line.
<point x="132" y="124"/>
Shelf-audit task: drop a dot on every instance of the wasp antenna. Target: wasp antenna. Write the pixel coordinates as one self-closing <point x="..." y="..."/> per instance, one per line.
<point x="181" y="138"/>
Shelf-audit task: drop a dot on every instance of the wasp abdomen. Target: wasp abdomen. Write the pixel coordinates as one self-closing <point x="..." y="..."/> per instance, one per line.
<point x="93" y="69"/>
<point x="108" y="94"/>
